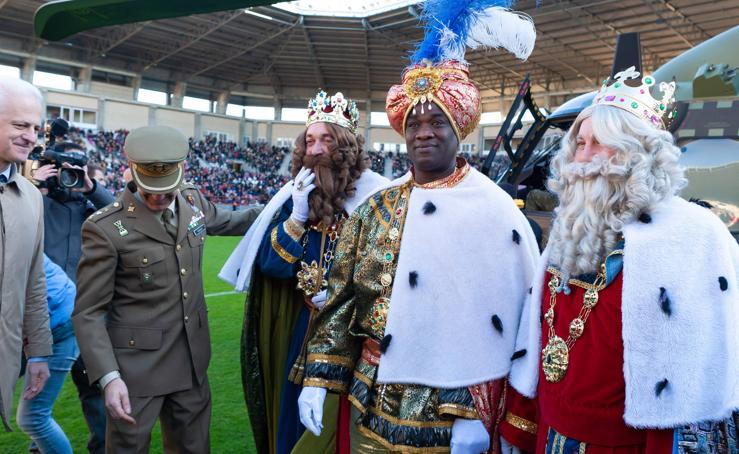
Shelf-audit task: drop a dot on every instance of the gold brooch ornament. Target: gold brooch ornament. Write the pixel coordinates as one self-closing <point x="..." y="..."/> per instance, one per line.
<point x="311" y="278"/>
<point x="555" y="357"/>
<point x="420" y="84"/>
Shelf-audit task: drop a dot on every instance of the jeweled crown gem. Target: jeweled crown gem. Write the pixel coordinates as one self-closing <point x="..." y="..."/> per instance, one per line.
<point x="334" y="109"/>
<point x="630" y="92"/>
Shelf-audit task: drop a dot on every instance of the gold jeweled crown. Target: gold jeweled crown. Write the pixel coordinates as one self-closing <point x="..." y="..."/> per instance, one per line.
<point x="628" y="91"/>
<point x="335" y="109"/>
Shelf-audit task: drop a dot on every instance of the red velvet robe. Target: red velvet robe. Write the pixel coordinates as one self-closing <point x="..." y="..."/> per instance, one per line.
<point x="588" y="403"/>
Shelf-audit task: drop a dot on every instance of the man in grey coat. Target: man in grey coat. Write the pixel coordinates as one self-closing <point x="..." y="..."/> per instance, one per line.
<point x="24" y="319"/>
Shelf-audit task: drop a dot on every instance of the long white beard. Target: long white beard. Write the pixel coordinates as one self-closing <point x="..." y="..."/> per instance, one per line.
<point x="594" y="205"/>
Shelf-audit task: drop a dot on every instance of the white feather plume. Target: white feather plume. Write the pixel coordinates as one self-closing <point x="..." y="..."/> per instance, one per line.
<point x="497" y="27"/>
<point x="452" y="45"/>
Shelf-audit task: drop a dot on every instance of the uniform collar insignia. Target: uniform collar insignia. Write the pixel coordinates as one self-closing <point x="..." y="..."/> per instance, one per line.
<point x="121" y="230"/>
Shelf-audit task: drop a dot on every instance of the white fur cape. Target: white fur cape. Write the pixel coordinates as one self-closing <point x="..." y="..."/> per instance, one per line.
<point x="686" y="250"/>
<point x="237" y="270"/>
<point x="469" y="269"/>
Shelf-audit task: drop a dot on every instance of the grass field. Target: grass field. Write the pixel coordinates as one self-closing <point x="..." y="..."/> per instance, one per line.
<point x="230" y="431"/>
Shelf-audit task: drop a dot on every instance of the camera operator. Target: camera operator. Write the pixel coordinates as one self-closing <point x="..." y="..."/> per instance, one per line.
<point x="65" y="210"/>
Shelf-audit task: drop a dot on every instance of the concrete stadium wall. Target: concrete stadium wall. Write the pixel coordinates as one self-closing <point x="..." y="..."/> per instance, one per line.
<point x="86" y="102"/>
<point x="111" y="91"/>
<point x="262" y="131"/>
<point x="183" y="121"/>
<point x="124" y="115"/>
<point x="221" y="124"/>
<point x="383" y="134"/>
<point x="289" y="130"/>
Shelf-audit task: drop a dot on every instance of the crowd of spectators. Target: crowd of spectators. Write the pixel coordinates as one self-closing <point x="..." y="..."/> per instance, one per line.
<point x="230" y="174"/>
<point x="225" y="172"/>
<point x="377" y="159"/>
<point x="401" y="163"/>
<point x="233" y="184"/>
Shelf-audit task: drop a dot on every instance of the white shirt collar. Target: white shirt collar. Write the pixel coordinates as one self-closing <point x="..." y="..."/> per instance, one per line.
<point x="173" y="206"/>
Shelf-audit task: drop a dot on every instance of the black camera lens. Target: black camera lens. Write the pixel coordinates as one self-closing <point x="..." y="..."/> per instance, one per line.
<point x="69" y="178"/>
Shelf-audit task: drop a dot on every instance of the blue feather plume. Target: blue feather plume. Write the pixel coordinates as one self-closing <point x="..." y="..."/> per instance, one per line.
<point x="449" y="26"/>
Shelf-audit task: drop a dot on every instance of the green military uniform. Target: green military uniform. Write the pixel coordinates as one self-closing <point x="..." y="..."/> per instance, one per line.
<point x="140" y="306"/>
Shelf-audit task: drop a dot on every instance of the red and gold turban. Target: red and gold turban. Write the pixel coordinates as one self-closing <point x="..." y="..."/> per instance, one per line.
<point x="447" y="84"/>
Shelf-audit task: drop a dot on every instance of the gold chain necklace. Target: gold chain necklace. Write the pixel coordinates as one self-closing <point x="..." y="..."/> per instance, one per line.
<point x="555" y="356"/>
<point x="389" y="250"/>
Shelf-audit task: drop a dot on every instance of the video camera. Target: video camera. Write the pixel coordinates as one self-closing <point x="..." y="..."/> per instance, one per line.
<point x="56" y="154"/>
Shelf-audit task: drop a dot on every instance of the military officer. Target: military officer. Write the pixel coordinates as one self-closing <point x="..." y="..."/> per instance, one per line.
<point x="140" y="315"/>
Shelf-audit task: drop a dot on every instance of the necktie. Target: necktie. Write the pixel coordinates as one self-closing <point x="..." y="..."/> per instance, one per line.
<point x="169" y="226"/>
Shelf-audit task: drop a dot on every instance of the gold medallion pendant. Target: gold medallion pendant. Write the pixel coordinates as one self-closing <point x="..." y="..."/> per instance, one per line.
<point x="555" y="359"/>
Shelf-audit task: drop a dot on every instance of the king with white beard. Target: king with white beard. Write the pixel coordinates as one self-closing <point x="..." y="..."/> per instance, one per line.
<point x="630" y="335"/>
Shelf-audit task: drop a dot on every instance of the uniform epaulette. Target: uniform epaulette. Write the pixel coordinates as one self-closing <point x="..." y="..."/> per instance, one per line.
<point x="187" y="186"/>
<point x="106" y="211"/>
<point x="190" y="192"/>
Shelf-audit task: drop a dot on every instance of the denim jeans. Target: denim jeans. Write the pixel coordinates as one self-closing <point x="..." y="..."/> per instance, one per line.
<point x="34" y="416"/>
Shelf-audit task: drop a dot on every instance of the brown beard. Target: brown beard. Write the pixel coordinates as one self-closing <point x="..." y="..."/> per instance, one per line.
<point x="336" y="174"/>
<point x="329" y="197"/>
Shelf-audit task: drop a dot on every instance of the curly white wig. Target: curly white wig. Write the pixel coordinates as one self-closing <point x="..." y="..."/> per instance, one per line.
<point x="599" y="197"/>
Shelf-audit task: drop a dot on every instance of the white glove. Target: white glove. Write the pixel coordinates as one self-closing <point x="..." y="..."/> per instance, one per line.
<point x="319" y="299"/>
<point x="310" y="408"/>
<point x="302" y="186"/>
<point x="507" y="448"/>
<point x="469" y="436"/>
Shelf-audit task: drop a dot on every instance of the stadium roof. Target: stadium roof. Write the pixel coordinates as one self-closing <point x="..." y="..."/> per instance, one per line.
<point x="288" y="55"/>
<point x="355" y="8"/>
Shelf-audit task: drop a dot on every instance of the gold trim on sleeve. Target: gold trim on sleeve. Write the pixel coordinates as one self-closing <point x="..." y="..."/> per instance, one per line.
<point x="401" y="449"/>
<point x="461" y="411"/>
<point x="358" y="405"/>
<point x="331" y="385"/>
<point x="330" y="359"/>
<point x="521" y="423"/>
<point x="286" y="256"/>
<point x="409" y="422"/>
<point x="293" y="229"/>
<point x="363" y="378"/>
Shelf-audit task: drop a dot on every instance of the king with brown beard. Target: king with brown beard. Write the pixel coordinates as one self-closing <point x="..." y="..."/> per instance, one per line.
<point x="284" y="262"/>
